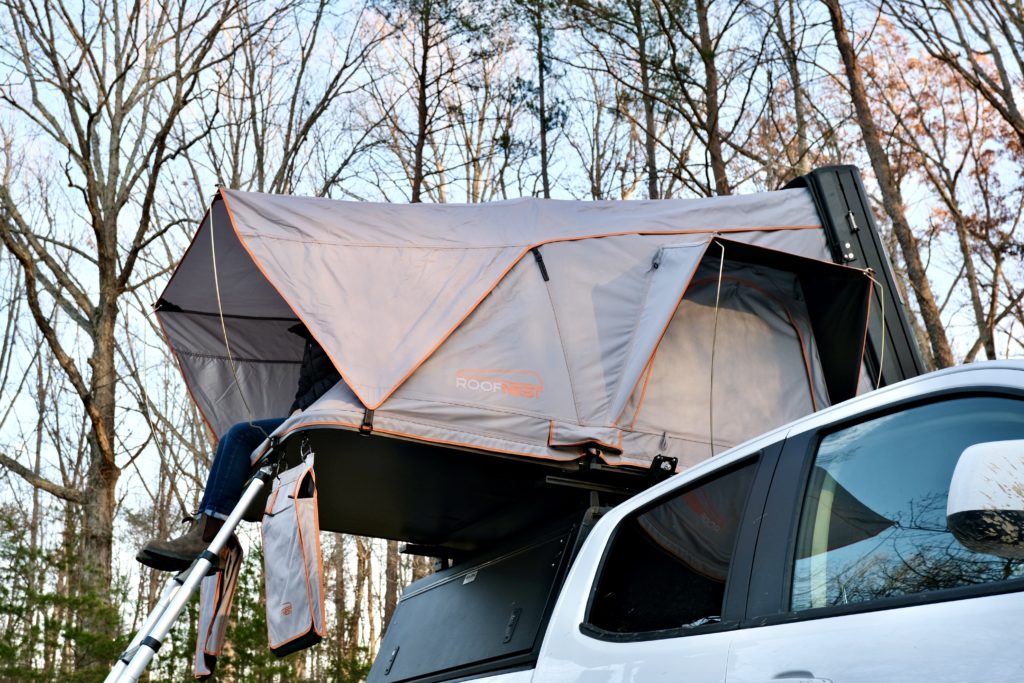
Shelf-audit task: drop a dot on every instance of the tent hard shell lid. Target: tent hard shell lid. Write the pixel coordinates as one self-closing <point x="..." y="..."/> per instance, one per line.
<point x="550" y="331"/>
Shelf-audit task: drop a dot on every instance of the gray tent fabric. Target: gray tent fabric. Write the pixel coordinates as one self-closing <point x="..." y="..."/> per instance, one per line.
<point x="537" y="328"/>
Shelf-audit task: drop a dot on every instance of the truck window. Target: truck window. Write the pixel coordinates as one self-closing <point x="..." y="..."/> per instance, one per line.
<point x="873" y="523"/>
<point x="667" y="565"/>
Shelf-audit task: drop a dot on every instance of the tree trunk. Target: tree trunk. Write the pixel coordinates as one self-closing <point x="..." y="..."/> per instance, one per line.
<point x="792" y="60"/>
<point x="341" y="641"/>
<point x="98" y="507"/>
<point x="390" y="582"/>
<point x="421" y="103"/>
<point x="650" y="134"/>
<point x="892" y="199"/>
<point x="542" y="111"/>
<point x="362" y="577"/>
<point x="713" y="132"/>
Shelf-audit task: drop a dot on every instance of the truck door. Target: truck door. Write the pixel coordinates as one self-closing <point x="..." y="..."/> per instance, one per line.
<point x="657" y="591"/>
<point x="856" y="578"/>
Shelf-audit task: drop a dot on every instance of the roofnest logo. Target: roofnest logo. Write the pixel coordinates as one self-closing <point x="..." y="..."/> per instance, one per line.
<point x="517" y="383"/>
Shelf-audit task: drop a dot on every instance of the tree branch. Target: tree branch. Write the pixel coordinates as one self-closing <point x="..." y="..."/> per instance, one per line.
<point x="64" y="492"/>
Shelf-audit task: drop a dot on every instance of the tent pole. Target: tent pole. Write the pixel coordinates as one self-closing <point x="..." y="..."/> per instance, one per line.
<point x="149" y="640"/>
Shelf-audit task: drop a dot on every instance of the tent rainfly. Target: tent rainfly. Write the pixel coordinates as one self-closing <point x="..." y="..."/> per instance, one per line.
<point x="536" y="328"/>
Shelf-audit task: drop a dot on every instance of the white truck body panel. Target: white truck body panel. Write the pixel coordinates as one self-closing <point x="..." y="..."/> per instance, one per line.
<point x="973" y="639"/>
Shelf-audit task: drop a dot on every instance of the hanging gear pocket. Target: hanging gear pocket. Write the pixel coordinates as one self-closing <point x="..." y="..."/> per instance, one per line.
<point x="216" y="593"/>
<point x="292" y="566"/>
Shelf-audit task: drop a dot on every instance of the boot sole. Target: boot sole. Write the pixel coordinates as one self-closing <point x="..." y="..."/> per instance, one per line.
<point x="167" y="562"/>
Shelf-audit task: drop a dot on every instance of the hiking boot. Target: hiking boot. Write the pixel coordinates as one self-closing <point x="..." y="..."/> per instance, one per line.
<point x="179" y="553"/>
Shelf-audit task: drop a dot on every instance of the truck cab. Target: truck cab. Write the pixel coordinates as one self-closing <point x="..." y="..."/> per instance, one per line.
<point x="817" y="552"/>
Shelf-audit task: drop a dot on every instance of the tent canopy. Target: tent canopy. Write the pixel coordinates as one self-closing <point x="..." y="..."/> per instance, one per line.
<point x="537" y="328"/>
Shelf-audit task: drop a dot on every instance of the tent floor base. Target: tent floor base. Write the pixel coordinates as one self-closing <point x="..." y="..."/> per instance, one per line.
<point x="445" y="498"/>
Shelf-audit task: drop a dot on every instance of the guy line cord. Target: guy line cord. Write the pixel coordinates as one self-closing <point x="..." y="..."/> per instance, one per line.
<point x="224" y="329"/>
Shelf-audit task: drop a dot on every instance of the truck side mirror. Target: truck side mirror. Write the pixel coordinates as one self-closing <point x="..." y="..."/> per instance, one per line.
<point x="985" y="508"/>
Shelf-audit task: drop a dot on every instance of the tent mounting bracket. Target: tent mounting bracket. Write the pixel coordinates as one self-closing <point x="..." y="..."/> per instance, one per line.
<point x="587" y="485"/>
<point x="663" y="467"/>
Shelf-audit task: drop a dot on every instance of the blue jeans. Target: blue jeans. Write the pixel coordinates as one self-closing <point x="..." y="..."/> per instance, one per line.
<point x="231" y="465"/>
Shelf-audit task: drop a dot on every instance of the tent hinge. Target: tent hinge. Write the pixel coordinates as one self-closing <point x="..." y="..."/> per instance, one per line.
<point x="367" y="427"/>
<point x="540" y="262"/>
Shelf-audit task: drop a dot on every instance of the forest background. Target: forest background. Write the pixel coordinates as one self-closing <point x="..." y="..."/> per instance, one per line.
<point x="118" y="121"/>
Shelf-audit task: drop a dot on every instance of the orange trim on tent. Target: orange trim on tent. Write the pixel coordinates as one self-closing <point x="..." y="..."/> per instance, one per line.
<point x="319" y="555"/>
<point x="302" y="545"/>
<point x="689" y="231"/>
<point x="643" y="393"/>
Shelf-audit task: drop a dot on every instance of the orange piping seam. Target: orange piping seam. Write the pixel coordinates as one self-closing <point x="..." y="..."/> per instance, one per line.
<point x="688" y="231"/>
<point x="302" y="549"/>
<point x="319" y="556"/>
<point x="643" y="393"/>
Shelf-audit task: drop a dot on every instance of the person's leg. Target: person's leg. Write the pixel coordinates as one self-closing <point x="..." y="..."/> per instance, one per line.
<point x="223" y="490"/>
<point x="231" y="466"/>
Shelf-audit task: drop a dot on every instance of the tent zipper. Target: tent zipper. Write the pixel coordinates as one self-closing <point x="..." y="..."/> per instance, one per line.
<point x="540" y="262"/>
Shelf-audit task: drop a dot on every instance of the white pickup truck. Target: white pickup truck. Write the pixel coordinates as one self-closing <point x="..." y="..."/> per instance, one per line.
<point x="818" y="552"/>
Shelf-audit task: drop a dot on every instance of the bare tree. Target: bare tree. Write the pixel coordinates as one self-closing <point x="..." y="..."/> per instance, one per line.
<point x="391" y="586"/>
<point x="605" y="142"/>
<point x="104" y="87"/>
<point x="948" y="136"/>
<point x="627" y="42"/>
<point x="892" y="198"/>
<point x="283" y="118"/>
<point x="981" y="40"/>
<point x="539" y="17"/>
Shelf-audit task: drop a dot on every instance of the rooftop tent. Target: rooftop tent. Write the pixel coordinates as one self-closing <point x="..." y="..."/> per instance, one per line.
<point x="545" y="332"/>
